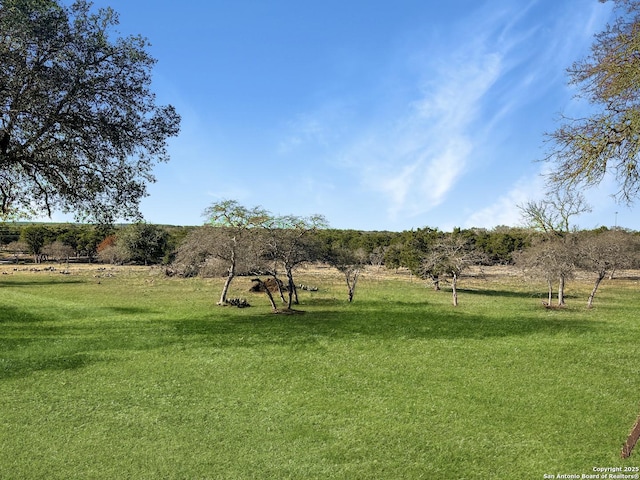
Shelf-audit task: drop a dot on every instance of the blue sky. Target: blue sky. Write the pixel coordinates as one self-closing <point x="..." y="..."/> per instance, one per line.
<point x="379" y="115"/>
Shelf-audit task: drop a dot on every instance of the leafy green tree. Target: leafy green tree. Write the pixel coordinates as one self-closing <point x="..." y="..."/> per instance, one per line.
<point x="70" y="236"/>
<point x="410" y="247"/>
<point x="36" y="237"/>
<point x="583" y="150"/>
<point x="502" y="242"/>
<point x="9" y="233"/>
<point x="79" y="126"/>
<point x="90" y="237"/>
<point x="142" y="243"/>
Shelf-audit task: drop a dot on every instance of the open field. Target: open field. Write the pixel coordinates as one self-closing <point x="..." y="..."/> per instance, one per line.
<point x="123" y="373"/>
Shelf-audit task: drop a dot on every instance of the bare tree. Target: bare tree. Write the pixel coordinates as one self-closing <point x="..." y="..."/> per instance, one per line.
<point x="290" y="243"/>
<point x="58" y="251"/>
<point x="553" y="214"/>
<point x="553" y="217"/>
<point x="376" y="257"/>
<point x="450" y="256"/>
<point x="550" y="258"/>
<point x="350" y="263"/>
<point x="17" y="248"/>
<point x="603" y="252"/>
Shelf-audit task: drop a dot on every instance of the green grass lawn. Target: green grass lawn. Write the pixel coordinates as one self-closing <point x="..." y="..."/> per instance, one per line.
<point x="138" y="376"/>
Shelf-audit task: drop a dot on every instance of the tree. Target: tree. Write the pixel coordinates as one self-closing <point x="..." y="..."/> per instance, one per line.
<point x="36" y="237"/>
<point x="107" y="251"/>
<point x="58" y="251"/>
<point x="79" y="126"/>
<point x="350" y="263"/>
<point x="142" y="243"/>
<point x="409" y="249"/>
<point x="91" y="237"/>
<point x="232" y="223"/>
<point x="602" y="253"/>
<point x="17" y="248"/>
<point x="550" y="257"/>
<point x="553" y="217"/>
<point x="291" y="243"/>
<point x="450" y="256"/>
<point x="583" y="150"/>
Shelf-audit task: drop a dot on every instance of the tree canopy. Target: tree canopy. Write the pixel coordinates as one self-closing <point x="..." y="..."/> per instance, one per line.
<point x="583" y="150"/>
<point x="79" y="126"/>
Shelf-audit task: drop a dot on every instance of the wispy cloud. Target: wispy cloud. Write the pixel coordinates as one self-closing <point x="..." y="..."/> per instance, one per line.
<point x="458" y="97"/>
<point x="505" y="210"/>
<point x="417" y="161"/>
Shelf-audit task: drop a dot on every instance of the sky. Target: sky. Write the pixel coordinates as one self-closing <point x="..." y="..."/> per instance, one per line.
<point x="377" y="114"/>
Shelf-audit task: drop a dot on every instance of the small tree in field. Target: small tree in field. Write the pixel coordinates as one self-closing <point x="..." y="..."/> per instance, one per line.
<point x="36" y="237"/>
<point x="290" y="243"/>
<point x="58" y="251"/>
<point x="604" y="252"/>
<point x="232" y="224"/>
<point x="550" y="258"/>
<point x="552" y="216"/>
<point x="350" y="263"/>
<point x="450" y="256"/>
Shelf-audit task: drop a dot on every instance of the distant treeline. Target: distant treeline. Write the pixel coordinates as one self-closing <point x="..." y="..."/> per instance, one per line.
<point x="157" y="244"/>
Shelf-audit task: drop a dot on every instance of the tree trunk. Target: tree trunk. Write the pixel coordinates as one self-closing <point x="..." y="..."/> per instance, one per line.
<point x="232" y="273"/>
<point x="595" y="288"/>
<point x="225" y="288"/>
<point x="631" y="440"/>
<point x="292" y="289"/>
<point x="352" y="281"/>
<point x="454" y="285"/>
<point x="279" y="285"/>
<point x="561" y="291"/>
<point x="295" y="293"/>
<point x="550" y="292"/>
<point x="436" y="283"/>
<point x="266" y="290"/>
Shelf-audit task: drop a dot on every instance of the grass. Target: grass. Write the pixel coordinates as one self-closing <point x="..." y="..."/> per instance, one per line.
<point x="138" y="376"/>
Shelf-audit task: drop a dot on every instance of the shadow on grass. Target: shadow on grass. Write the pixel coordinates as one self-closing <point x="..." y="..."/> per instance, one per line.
<point x="68" y="340"/>
<point x="31" y="343"/>
<point x="499" y="293"/>
<point x="504" y="293"/>
<point x="38" y="282"/>
<point x="391" y="323"/>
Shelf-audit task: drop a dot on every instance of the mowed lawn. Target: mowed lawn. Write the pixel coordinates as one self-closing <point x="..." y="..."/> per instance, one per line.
<point x="133" y="375"/>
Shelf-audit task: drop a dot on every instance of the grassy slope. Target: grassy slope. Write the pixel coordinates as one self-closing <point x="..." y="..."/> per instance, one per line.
<point x="143" y="377"/>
